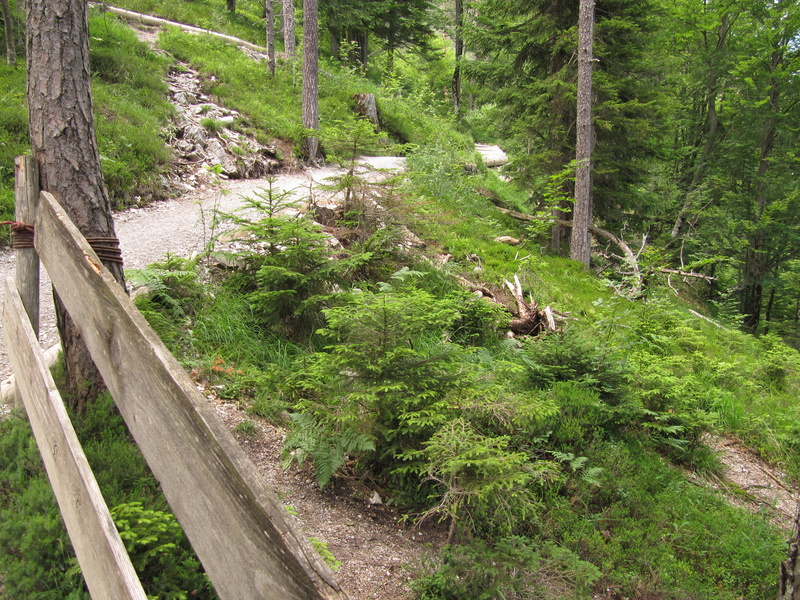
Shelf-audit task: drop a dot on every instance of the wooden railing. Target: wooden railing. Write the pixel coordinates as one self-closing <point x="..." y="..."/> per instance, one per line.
<point x="248" y="544"/>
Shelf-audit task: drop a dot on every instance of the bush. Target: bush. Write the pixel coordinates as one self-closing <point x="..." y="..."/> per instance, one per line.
<point x="36" y="559"/>
<point x="511" y="568"/>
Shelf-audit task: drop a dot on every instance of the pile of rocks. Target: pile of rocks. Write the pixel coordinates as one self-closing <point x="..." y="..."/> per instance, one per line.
<point x="205" y="141"/>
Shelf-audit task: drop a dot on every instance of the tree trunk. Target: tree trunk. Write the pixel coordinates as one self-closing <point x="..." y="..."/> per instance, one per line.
<point x="8" y="19"/>
<point x="270" y="26"/>
<point x="768" y="315"/>
<point x="755" y="263"/>
<point x="311" y="77"/>
<point x="288" y="29"/>
<point x="711" y="129"/>
<point x="231" y="6"/>
<point x="579" y="248"/>
<point x="459" y="48"/>
<point x="790" y="569"/>
<point x="63" y="142"/>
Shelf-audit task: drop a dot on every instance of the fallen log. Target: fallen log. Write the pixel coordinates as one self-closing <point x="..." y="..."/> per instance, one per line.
<point x="8" y="388"/>
<point x="529" y="319"/>
<point x="150" y="20"/>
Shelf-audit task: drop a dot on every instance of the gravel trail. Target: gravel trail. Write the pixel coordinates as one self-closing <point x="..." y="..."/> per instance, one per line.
<point x="178" y="226"/>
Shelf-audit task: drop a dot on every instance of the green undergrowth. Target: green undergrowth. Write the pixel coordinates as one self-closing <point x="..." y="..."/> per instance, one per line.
<point x="131" y="114"/>
<point x="36" y="558"/>
<point x="247" y="23"/>
<point x="557" y="464"/>
<point x="270" y="106"/>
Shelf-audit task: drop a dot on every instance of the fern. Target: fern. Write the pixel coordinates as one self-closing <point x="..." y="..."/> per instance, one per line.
<point x="327" y="450"/>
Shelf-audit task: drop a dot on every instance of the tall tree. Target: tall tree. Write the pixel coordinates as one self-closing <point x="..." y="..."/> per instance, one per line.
<point x="525" y="53"/>
<point x="8" y="20"/>
<point x="580" y="249"/>
<point x="231" y="4"/>
<point x="287" y="20"/>
<point x="311" y="77"/>
<point x="269" y="9"/>
<point x="458" y="41"/>
<point x="63" y="142"/>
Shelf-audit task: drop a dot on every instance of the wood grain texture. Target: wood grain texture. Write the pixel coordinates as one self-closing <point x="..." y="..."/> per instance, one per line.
<point x="246" y="541"/>
<point x="106" y="566"/>
<point x="26" y="196"/>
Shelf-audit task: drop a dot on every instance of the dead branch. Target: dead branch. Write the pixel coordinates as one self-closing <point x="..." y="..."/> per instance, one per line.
<point x="684" y="273"/>
<point x="531" y="321"/>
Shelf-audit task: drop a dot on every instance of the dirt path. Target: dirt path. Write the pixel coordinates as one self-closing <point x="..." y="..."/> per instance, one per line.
<point x="376" y="551"/>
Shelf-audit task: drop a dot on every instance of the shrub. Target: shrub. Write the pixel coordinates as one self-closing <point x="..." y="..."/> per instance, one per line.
<point x="511" y="567"/>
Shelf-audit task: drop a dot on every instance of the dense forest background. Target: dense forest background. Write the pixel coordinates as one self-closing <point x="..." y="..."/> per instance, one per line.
<point x="563" y="465"/>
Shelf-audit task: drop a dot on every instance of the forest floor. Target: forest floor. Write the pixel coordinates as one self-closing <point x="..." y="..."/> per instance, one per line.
<point x="379" y="552"/>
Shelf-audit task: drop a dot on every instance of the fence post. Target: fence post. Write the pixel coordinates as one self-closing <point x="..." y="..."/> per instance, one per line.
<point x="26" y="197"/>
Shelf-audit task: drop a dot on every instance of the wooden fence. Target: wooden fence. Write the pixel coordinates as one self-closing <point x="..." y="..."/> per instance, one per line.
<point x="248" y="544"/>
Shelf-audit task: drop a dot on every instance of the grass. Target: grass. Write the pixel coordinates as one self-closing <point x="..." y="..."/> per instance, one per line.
<point x="634" y="384"/>
<point x="131" y="112"/>
<point x="36" y="559"/>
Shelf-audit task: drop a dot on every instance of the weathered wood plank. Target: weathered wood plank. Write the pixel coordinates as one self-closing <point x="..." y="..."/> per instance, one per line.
<point x="106" y="566"/>
<point x="247" y="542"/>
<point x="26" y="196"/>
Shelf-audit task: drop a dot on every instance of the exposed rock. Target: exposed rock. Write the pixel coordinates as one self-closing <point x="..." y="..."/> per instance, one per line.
<point x="217" y="155"/>
<point x="507" y="239"/>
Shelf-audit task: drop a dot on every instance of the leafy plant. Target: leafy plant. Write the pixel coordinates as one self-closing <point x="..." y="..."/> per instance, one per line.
<point x="511" y="567"/>
<point x="328" y="449"/>
<point x="481" y="481"/>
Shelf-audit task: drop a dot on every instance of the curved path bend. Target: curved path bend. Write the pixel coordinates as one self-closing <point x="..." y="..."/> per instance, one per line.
<point x="179" y="226"/>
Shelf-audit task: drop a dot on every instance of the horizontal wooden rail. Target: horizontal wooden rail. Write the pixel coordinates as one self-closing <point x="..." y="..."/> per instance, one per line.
<point x="246" y="541"/>
<point x="101" y="554"/>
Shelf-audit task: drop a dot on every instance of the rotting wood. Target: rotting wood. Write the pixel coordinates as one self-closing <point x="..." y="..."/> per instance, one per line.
<point x="101" y="554"/>
<point x="531" y="320"/>
<point x="367" y="107"/>
<point x="246" y="541"/>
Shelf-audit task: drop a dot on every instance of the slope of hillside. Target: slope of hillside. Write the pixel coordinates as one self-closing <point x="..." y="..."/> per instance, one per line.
<point x="586" y="462"/>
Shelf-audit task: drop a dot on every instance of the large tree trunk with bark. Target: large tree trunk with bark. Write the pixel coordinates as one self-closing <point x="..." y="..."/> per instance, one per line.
<point x="63" y="142"/>
<point x="8" y="20"/>
<point x="311" y="77"/>
<point x="287" y="18"/>
<point x="579" y="248"/>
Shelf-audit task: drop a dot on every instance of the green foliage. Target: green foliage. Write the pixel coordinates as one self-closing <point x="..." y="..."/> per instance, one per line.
<point x="388" y="372"/>
<point x="480" y="482"/>
<point x="246" y="428"/>
<point x="576" y="356"/>
<point x="325" y="553"/>
<point x="511" y="567"/>
<point x="158" y="550"/>
<point x="36" y="559"/>
<point x="287" y="271"/>
<point x="328" y="450"/>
